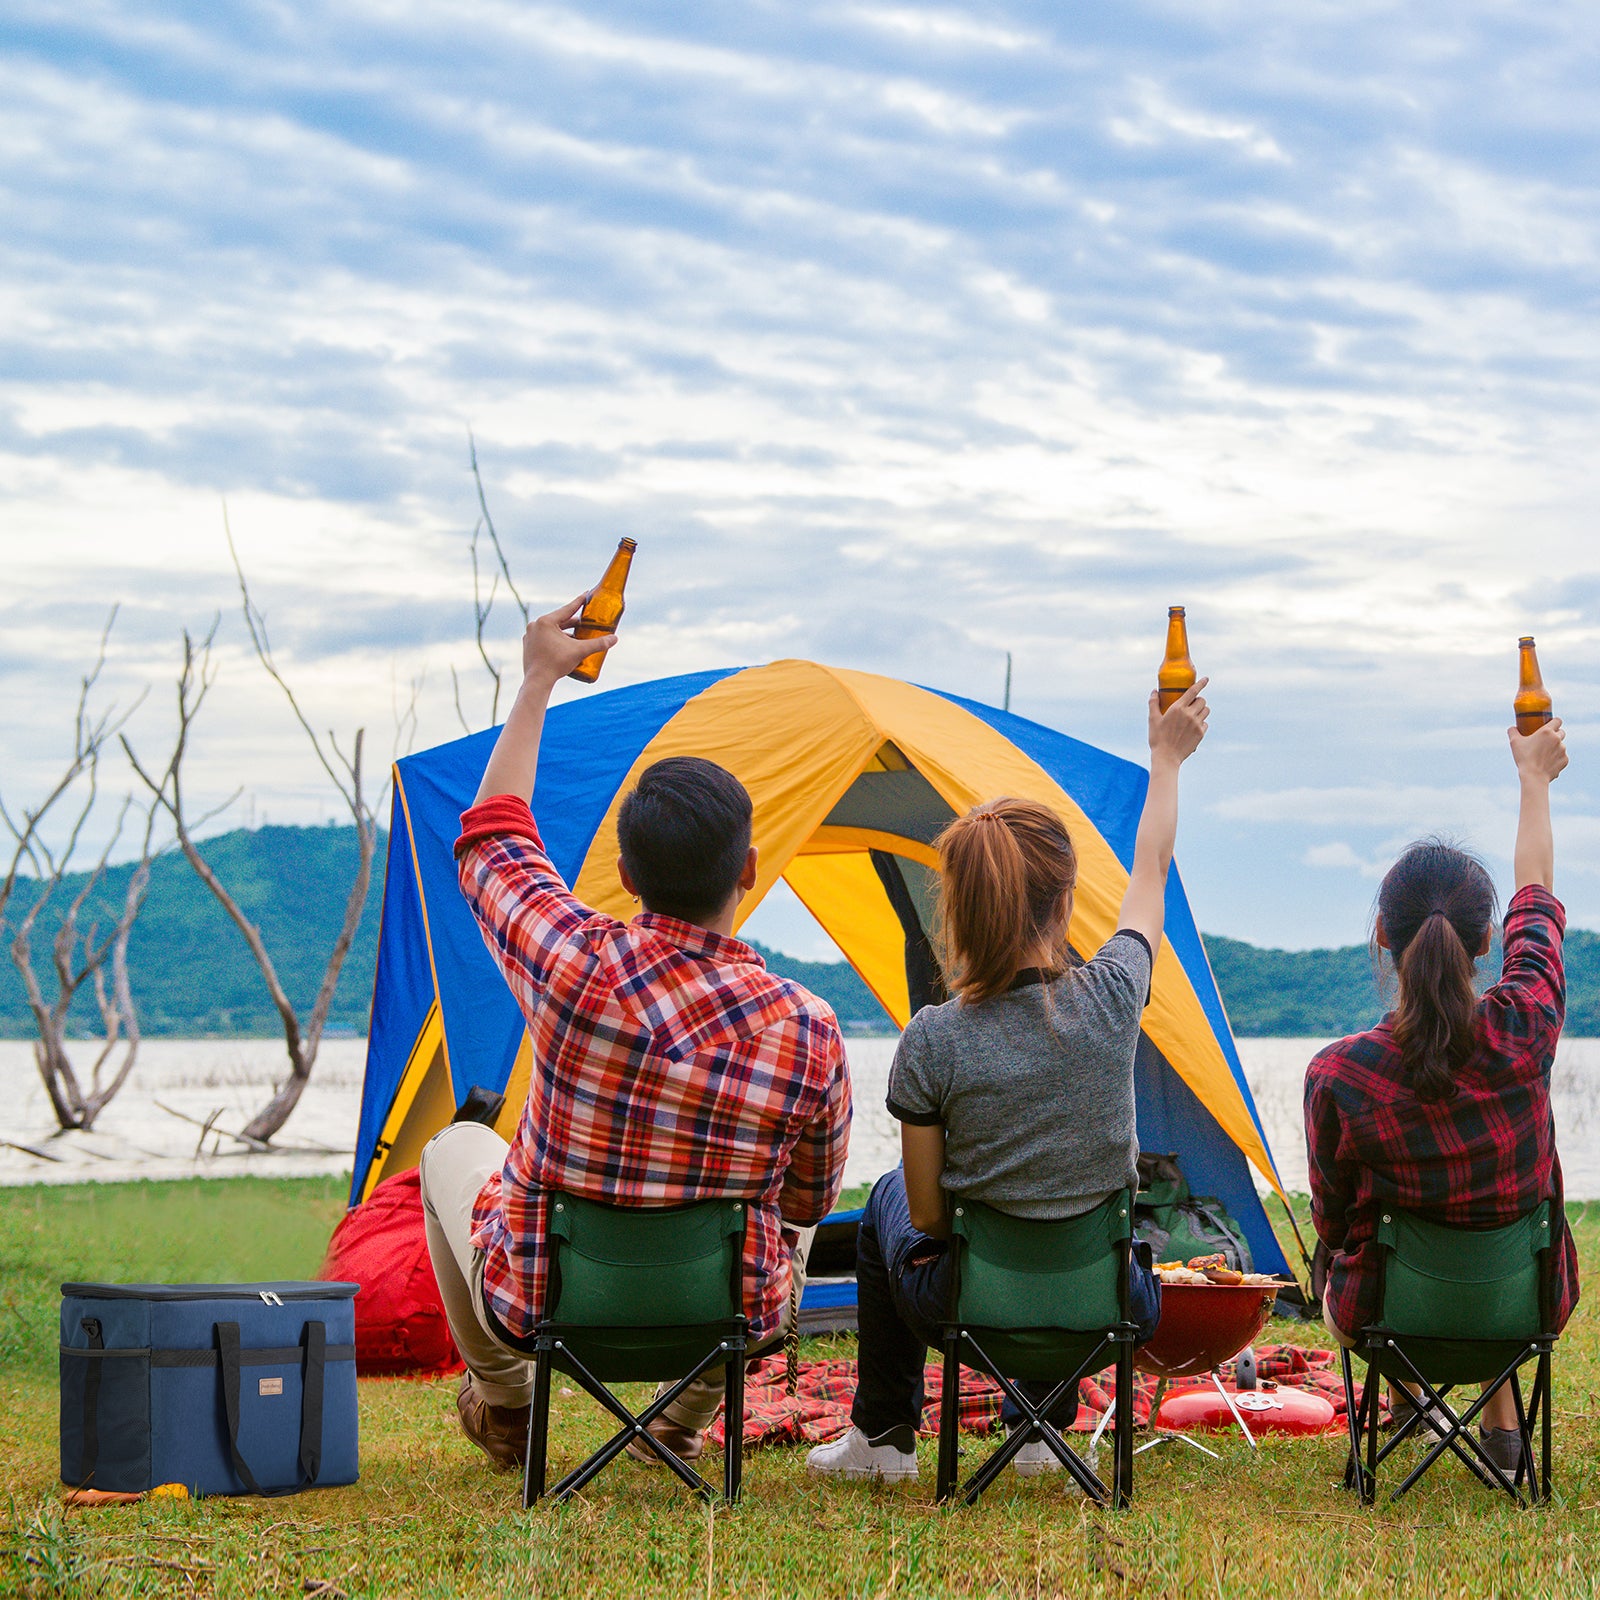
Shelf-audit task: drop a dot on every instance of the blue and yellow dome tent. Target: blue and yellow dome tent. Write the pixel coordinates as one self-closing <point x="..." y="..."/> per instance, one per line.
<point x="851" y="776"/>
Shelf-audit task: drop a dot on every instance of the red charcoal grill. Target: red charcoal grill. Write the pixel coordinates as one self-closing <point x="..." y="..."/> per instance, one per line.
<point x="1201" y="1326"/>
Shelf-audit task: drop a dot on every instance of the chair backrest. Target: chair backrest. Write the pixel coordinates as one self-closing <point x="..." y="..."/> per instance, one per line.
<point x="1014" y="1272"/>
<point x="1463" y="1283"/>
<point x="630" y="1267"/>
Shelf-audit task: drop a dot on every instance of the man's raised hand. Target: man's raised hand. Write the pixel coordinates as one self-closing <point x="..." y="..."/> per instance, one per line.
<point x="549" y="651"/>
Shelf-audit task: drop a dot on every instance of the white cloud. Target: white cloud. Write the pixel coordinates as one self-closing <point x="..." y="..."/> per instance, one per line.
<point x="959" y="28"/>
<point x="1156" y="119"/>
<point x="844" y="314"/>
<point x="1340" y="857"/>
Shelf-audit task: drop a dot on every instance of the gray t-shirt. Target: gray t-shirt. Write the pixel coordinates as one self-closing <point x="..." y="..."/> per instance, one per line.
<point x="1034" y="1087"/>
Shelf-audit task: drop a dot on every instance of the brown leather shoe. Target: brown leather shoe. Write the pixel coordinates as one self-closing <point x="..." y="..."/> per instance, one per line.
<point x="685" y="1443"/>
<point x="501" y="1432"/>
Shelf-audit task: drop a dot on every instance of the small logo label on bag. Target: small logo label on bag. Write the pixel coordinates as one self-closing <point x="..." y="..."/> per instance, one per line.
<point x="270" y="1386"/>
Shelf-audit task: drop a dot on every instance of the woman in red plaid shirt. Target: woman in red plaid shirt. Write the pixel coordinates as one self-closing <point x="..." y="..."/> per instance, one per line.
<point x="1443" y="1109"/>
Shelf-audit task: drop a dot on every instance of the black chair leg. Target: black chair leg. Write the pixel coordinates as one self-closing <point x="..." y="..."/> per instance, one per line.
<point x="949" y="1420"/>
<point x="1122" y="1428"/>
<point x="1525" y="1462"/>
<point x="733" y="1430"/>
<point x="1370" y="1395"/>
<point x="1352" y="1422"/>
<point x="533" y="1477"/>
<point x="1545" y="1399"/>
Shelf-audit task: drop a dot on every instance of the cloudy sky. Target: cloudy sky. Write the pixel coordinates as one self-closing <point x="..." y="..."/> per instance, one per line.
<point x="899" y="337"/>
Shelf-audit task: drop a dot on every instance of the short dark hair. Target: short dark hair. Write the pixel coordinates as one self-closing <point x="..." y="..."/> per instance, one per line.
<point x="684" y="833"/>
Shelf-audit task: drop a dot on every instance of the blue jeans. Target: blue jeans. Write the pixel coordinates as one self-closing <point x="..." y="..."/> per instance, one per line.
<point x="903" y="1294"/>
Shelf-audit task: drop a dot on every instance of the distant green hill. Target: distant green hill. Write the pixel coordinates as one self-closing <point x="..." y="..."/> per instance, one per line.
<point x="1311" y="993"/>
<point x="192" y="974"/>
<point x="189" y="967"/>
<point x="1294" y="993"/>
<point x="838" y="983"/>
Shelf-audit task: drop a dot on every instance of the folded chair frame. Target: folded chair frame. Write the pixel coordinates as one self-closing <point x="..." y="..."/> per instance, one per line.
<point x="1111" y="1342"/>
<point x="552" y="1350"/>
<point x="1386" y="1356"/>
<point x="961" y="1347"/>
<point x="622" y="1259"/>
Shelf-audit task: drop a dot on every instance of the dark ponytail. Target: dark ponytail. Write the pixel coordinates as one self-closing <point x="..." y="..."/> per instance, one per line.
<point x="1436" y="904"/>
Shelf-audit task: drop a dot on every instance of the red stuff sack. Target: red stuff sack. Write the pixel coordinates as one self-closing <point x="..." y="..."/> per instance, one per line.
<point x="382" y="1245"/>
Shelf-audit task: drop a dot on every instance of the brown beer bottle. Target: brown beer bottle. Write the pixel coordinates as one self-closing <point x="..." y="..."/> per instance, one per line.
<point x="1532" y="704"/>
<point x="603" y="610"/>
<point x="1177" y="671"/>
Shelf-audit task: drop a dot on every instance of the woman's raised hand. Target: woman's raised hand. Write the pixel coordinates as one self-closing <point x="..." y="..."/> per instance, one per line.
<point x="1542" y="754"/>
<point x="1176" y="733"/>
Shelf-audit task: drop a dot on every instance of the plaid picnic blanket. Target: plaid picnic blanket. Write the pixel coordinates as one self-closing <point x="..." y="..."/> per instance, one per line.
<point x="819" y="1410"/>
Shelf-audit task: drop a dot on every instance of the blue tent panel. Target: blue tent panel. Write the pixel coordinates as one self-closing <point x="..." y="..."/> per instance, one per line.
<point x="402" y="993"/>
<point x="589" y="746"/>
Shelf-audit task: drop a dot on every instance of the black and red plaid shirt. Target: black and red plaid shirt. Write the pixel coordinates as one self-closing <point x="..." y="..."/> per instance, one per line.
<point x="1480" y="1159"/>
<point x="668" y="1066"/>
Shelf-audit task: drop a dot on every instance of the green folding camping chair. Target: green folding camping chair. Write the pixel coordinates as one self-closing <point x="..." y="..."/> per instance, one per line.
<point x="640" y="1296"/>
<point x="1040" y="1300"/>
<point x="1456" y="1306"/>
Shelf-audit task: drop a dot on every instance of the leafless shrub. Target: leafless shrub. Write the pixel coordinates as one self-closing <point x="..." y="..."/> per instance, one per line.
<point x="78" y="953"/>
<point x="302" y="1039"/>
<point x="481" y="606"/>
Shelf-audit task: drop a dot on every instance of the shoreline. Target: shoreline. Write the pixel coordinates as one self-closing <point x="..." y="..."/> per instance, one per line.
<point x="181" y="1113"/>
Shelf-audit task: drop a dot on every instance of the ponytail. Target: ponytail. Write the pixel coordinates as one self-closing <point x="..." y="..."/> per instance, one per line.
<point x="1433" y="1023"/>
<point x="1436" y="904"/>
<point x="1007" y="871"/>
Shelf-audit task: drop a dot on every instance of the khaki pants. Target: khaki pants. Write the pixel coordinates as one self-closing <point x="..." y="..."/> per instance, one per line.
<point x="456" y="1163"/>
<point x="1340" y="1337"/>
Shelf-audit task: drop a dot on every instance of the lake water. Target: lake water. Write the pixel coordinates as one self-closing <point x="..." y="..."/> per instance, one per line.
<point x="153" y="1129"/>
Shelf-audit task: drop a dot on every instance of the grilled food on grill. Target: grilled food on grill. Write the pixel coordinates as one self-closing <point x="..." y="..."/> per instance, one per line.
<point x="1213" y="1269"/>
<point x="1176" y="1272"/>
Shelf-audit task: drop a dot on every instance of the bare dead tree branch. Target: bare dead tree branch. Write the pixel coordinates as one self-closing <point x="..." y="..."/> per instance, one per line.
<point x="488" y="522"/>
<point x="461" y="716"/>
<point x="302" y="1039"/>
<point x="118" y="1014"/>
<point x="406" y="720"/>
<point x="77" y="955"/>
<point x="257" y="624"/>
<point x="90" y="732"/>
<point x="481" y="607"/>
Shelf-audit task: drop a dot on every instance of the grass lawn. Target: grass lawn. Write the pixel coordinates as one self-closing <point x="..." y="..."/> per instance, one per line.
<point x="430" y="1518"/>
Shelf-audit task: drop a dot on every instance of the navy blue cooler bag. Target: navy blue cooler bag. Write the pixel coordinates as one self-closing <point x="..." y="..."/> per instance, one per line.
<point x="226" y="1388"/>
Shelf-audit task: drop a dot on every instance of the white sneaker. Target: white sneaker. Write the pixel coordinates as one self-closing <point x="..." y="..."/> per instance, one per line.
<point x="853" y="1455"/>
<point x="1034" y="1459"/>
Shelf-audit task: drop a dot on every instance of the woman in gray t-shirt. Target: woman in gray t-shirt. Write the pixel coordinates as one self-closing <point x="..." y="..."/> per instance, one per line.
<point x="1018" y="1092"/>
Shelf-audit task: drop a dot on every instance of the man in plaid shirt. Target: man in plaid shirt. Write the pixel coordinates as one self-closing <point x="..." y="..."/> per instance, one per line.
<point x="669" y="1065"/>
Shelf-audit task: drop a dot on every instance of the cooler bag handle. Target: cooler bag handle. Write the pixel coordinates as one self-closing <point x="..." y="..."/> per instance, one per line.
<point x="315" y="1342"/>
<point x="91" y="1401"/>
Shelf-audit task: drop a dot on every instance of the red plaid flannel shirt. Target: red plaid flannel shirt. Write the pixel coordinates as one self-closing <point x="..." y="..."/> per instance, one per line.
<point x="1479" y="1160"/>
<point x="668" y="1066"/>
